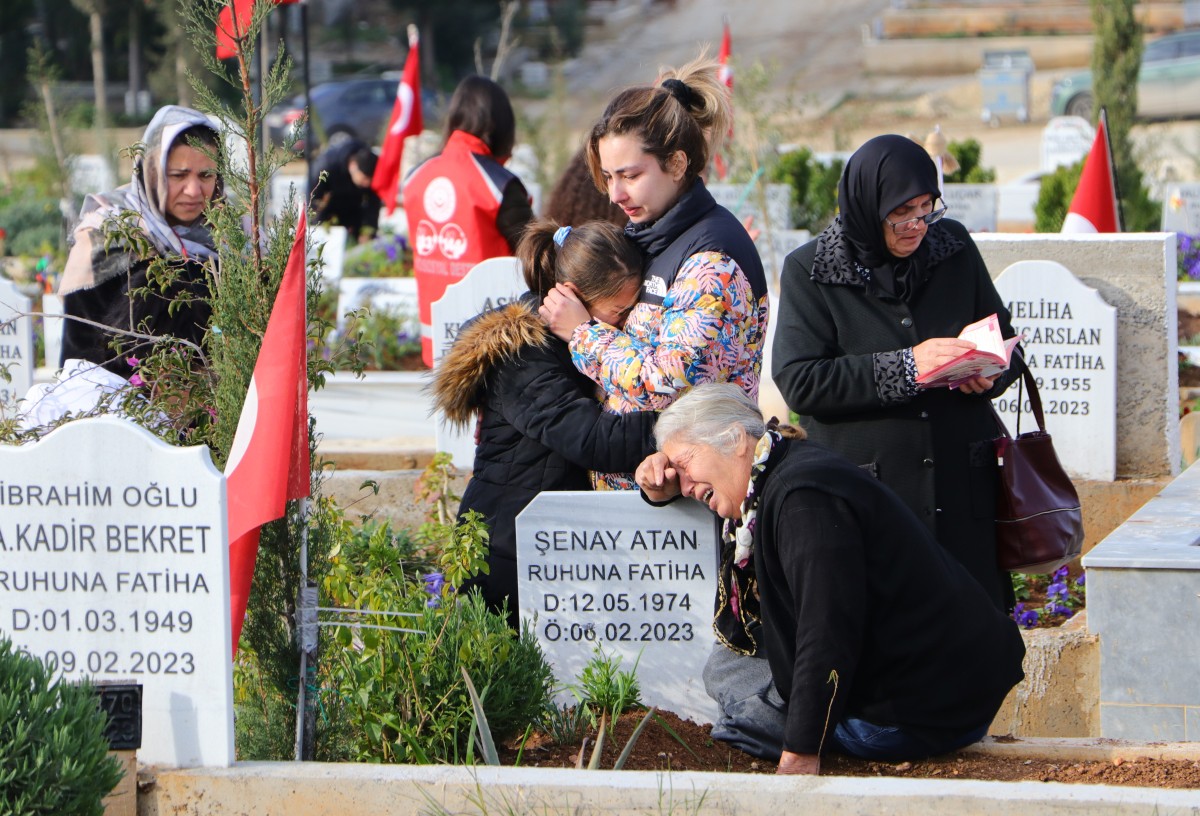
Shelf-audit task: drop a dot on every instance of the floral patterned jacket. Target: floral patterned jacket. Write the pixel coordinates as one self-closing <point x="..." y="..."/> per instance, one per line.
<point x="709" y="328"/>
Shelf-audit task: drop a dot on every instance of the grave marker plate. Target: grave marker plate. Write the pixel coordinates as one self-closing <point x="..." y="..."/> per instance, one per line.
<point x="1181" y="209"/>
<point x="489" y="284"/>
<point x="975" y="206"/>
<point x="357" y="293"/>
<point x="52" y="330"/>
<point x="607" y="569"/>
<point x="16" y="345"/>
<point x="1070" y="339"/>
<point x="332" y="244"/>
<point x="1065" y="140"/>
<point x="115" y="566"/>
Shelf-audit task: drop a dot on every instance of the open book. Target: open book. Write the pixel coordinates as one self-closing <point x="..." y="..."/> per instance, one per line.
<point x="990" y="356"/>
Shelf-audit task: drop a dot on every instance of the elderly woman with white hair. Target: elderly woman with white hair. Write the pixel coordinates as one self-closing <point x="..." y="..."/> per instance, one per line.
<point x="879" y="643"/>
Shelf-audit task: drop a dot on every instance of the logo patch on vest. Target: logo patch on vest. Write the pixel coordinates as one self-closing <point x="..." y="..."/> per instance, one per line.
<point x="426" y="239"/>
<point x="452" y="241"/>
<point x="440" y="199"/>
<point x="654" y="285"/>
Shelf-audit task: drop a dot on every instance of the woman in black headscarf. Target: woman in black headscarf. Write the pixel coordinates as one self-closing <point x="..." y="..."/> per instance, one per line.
<point x="874" y="301"/>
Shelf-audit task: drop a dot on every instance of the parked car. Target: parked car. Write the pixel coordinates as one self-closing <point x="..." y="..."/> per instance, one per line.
<point x="1168" y="81"/>
<point x="350" y="108"/>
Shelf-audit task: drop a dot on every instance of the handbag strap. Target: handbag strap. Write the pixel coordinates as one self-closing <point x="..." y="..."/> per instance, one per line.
<point x="1035" y="399"/>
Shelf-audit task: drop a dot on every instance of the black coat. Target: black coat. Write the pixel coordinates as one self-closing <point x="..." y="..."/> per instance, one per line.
<point x="542" y="426"/>
<point x="851" y="582"/>
<point x="837" y="361"/>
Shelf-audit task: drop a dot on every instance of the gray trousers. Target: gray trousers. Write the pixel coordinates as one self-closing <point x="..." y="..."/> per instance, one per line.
<point x="753" y="715"/>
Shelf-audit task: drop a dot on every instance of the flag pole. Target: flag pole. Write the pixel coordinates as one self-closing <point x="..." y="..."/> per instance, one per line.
<point x="308" y="128"/>
<point x="1112" y="166"/>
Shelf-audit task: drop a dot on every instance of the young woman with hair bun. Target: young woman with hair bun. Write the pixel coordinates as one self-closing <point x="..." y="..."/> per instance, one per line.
<point x="541" y="425"/>
<point x="702" y="312"/>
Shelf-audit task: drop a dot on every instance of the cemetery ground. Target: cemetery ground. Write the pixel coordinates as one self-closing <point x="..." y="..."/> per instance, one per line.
<point x="669" y="743"/>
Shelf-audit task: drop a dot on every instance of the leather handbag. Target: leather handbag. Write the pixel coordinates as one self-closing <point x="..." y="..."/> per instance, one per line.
<point x="1039" y="522"/>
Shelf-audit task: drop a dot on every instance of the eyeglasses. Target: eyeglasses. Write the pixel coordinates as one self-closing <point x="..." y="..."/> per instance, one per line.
<point x="910" y="224"/>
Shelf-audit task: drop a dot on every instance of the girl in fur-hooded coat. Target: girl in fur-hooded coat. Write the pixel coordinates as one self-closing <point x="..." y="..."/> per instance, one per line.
<point x="541" y="426"/>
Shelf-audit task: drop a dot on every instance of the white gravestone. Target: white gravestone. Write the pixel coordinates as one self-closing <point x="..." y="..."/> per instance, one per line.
<point x="607" y="569"/>
<point x="748" y="203"/>
<point x="491" y="283"/>
<point x="115" y="566"/>
<point x="1065" y="140"/>
<point x="284" y="186"/>
<point x="16" y="346"/>
<point x="1069" y="335"/>
<point x="91" y="173"/>
<point x="396" y="294"/>
<point x="781" y="243"/>
<point x="975" y="206"/>
<point x="52" y="329"/>
<point x="331" y="243"/>
<point x="1181" y="209"/>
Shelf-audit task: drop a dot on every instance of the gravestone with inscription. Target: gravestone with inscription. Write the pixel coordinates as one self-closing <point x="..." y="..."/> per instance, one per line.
<point x="1069" y="335"/>
<point x="1181" y="208"/>
<point x="115" y="566"/>
<point x="1065" y="140"/>
<point x="975" y="206"/>
<point x="16" y="346"/>
<point x="607" y="570"/>
<point x="489" y="284"/>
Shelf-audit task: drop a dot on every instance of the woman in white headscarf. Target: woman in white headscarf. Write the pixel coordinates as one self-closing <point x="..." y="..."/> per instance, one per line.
<point x="113" y="310"/>
<point x="175" y="179"/>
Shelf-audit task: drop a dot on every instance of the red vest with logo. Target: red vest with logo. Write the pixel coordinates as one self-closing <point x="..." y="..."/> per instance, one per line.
<point x="451" y="202"/>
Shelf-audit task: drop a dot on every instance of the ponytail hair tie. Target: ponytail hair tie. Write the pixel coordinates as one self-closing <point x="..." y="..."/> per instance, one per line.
<point x="680" y="90"/>
<point x="560" y="235"/>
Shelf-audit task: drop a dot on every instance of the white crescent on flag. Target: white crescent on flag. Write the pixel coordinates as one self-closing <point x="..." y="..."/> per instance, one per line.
<point x="404" y="94"/>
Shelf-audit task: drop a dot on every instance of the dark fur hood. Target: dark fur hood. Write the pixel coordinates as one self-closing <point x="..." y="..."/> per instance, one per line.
<point x="486" y="341"/>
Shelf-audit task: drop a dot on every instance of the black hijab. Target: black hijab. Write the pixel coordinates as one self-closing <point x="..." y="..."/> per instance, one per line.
<point x="884" y="173"/>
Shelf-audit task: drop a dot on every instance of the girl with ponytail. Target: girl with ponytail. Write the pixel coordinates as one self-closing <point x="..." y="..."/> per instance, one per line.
<point x="540" y="424"/>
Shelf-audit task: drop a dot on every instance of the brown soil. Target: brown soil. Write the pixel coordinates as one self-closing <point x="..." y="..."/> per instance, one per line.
<point x="1189" y="325"/>
<point x="658" y="749"/>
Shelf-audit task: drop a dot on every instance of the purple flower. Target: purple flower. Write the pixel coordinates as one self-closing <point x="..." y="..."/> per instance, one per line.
<point x="1055" y="608"/>
<point x="434" y="582"/>
<point x="1025" y="617"/>
<point x="1060" y="573"/>
<point x="133" y="362"/>
<point x="1080" y="581"/>
<point x="1058" y="590"/>
<point x="136" y="380"/>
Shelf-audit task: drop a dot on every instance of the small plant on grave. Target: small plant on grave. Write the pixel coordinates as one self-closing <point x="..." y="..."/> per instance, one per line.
<point x="396" y="675"/>
<point x="603" y="689"/>
<point x="1063" y="597"/>
<point x="378" y="340"/>
<point x="1187" y="256"/>
<point x="55" y="754"/>
<point x="387" y="255"/>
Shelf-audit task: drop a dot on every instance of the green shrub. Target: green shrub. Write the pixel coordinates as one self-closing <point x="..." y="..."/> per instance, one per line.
<point x="33" y="223"/>
<point x="53" y="753"/>
<point x="400" y="693"/>
<point x="970" y="171"/>
<point x="1054" y="197"/>
<point x="814" y="188"/>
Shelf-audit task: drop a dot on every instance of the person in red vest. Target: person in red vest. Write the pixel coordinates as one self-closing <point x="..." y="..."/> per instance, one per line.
<point x="462" y="206"/>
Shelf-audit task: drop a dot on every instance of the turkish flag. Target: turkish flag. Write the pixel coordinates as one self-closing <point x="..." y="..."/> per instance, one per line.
<point x="406" y="121"/>
<point x="1094" y="207"/>
<point x="725" y="75"/>
<point x="233" y="22"/>
<point x="269" y="461"/>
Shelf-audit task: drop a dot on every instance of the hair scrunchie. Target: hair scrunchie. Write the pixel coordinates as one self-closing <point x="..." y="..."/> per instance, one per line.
<point x="680" y="90"/>
<point x="560" y="235"/>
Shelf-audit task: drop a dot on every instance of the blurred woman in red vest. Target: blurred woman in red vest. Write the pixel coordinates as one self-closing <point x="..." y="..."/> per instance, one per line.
<point x="462" y="206"/>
